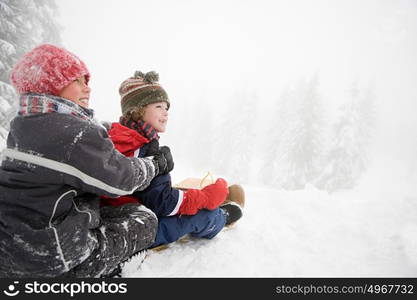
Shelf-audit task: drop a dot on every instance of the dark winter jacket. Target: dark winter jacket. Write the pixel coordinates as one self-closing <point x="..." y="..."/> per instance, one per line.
<point x="159" y="196"/>
<point x="57" y="159"/>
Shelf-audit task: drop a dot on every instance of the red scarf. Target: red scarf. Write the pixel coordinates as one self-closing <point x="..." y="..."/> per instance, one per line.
<point x="143" y="128"/>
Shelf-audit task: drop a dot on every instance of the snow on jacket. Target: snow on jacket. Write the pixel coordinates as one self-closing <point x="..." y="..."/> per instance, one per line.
<point x="159" y="196"/>
<point x="57" y="158"/>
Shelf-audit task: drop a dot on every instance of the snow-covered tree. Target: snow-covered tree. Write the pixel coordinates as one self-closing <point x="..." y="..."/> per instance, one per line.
<point x="348" y="155"/>
<point x="300" y="142"/>
<point x="23" y="25"/>
<point x="200" y="141"/>
<point x="236" y="141"/>
<point x="281" y="114"/>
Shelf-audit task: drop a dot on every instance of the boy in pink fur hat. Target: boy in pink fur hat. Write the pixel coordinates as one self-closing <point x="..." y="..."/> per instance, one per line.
<point x="57" y="161"/>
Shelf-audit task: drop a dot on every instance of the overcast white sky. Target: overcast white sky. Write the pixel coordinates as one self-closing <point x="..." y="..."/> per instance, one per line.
<point x="211" y="49"/>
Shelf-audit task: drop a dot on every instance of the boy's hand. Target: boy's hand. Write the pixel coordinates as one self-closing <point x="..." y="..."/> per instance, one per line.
<point x="153" y="148"/>
<point x="210" y="197"/>
<point x="163" y="158"/>
<point x="168" y="156"/>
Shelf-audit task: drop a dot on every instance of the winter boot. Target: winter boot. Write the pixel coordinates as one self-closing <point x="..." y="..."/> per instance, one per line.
<point x="232" y="212"/>
<point x="236" y="195"/>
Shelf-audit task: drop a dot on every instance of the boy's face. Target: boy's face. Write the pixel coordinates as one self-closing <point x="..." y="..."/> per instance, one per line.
<point x="156" y="114"/>
<point x="77" y="92"/>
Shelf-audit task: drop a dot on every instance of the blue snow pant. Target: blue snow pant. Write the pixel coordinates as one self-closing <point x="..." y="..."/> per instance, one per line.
<point x="205" y="224"/>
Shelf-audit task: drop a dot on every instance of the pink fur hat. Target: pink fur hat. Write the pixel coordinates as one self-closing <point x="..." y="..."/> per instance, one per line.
<point x="47" y="69"/>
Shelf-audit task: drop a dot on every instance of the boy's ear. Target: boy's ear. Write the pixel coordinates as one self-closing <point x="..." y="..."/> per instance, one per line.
<point x="153" y="148"/>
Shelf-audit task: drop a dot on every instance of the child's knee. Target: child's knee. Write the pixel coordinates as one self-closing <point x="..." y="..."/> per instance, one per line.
<point x="210" y="215"/>
<point x="210" y="224"/>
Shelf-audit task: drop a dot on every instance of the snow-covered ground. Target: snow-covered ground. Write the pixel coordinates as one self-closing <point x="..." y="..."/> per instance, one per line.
<point x="367" y="232"/>
<point x="370" y="231"/>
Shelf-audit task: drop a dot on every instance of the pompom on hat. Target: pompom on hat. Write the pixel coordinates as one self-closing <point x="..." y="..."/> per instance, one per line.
<point x="47" y="69"/>
<point x="140" y="90"/>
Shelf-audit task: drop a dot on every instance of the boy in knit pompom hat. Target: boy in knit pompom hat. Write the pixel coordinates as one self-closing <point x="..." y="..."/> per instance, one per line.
<point x="57" y="161"/>
<point x="145" y="106"/>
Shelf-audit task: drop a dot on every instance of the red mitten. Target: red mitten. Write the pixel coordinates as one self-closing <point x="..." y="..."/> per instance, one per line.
<point x="209" y="197"/>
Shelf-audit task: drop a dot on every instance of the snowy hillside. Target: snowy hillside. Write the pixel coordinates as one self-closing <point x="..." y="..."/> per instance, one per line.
<point x="369" y="232"/>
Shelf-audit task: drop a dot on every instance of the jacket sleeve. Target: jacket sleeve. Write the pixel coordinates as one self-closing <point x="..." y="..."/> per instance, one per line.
<point x="100" y="169"/>
<point x="160" y="197"/>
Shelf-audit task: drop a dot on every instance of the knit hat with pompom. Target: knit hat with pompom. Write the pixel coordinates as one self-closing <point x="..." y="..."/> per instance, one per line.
<point x="47" y="69"/>
<point x="141" y="90"/>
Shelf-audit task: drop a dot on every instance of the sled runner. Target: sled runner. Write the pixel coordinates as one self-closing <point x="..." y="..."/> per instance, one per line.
<point x="185" y="239"/>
